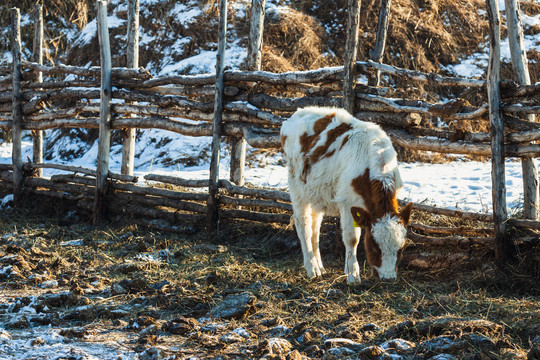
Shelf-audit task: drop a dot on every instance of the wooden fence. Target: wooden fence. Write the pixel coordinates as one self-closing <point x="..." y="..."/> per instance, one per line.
<point x="248" y="107"/>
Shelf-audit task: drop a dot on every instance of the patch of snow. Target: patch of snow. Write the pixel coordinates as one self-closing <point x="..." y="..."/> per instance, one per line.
<point x="205" y="61"/>
<point x="16" y="345"/>
<point x="76" y="242"/>
<point x="182" y="13"/>
<point x="6" y="201"/>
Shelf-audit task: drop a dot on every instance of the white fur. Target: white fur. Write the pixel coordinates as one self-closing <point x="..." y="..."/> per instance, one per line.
<point x="327" y="188"/>
<point x="389" y="233"/>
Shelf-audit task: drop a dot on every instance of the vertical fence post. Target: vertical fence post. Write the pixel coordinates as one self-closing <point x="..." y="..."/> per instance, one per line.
<point x="256" y="35"/>
<point x="213" y="203"/>
<point x="351" y="48"/>
<point x="37" y="56"/>
<point x="16" y="131"/>
<point x="531" y="196"/>
<point x="238" y="146"/>
<point x="504" y="247"/>
<point x="132" y="59"/>
<point x="382" y="33"/>
<point x="104" y="112"/>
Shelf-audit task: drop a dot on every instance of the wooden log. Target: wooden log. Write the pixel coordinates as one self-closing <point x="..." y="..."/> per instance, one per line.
<point x="323" y="75"/>
<point x="351" y="48"/>
<point x="81" y="170"/>
<point x="74" y="178"/>
<point x="515" y="123"/>
<point x="521" y="109"/>
<point x="461" y="230"/>
<point x="217" y="125"/>
<point x="511" y="90"/>
<point x="252" y="116"/>
<point x="120" y="207"/>
<point x="252" y="111"/>
<point x="163" y="101"/>
<point x="256" y="35"/>
<point x="62" y="113"/>
<point x="423" y="77"/>
<point x="254" y="203"/>
<point x="17" y="115"/>
<point x="382" y="32"/>
<point x="87" y="191"/>
<point x="165" y="124"/>
<point x="262" y="141"/>
<point x="504" y="247"/>
<point x="449" y="240"/>
<point x="169" y="194"/>
<point x="524" y="224"/>
<point x="238" y="145"/>
<point x="238" y="160"/>
<point x="254" y="192"/>
<point x="402" y="138"/>
<point x="93" y="72"/>
<point x="447" y="110"/>
<point x="56" y="195"/>
<point x="37" y="56"/>
<point x="128" y="135"/>
<point x="328" y="74"/>
<point x="176" y="180"/>
<point x="35" y="99"/>
<point x="104" y="141"/>
<point x="531" y="194"/>
<point x="162" y="202"/>
<point x="60" y="84"/>
<point x="190" y="91"/>
<point x="514" y="137"/>
<point x="255" y="216"/>
<point x="448" y="212"/>
<point x="6" y="80"/>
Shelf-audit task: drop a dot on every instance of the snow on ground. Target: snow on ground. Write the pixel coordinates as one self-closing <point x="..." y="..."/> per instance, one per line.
<point x="46" y="343"/>
<point x="476" y="64"/>
<point x="463" y="185"/>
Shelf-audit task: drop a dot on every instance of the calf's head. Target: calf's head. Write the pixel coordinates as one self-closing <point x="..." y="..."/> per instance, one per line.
<point x="384" y="239"/>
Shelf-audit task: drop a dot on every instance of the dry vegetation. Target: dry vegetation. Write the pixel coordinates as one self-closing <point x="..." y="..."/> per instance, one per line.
<point x="460" y="299"/>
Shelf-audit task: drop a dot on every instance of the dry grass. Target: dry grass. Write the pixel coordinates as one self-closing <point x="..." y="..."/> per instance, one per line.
<point x="292" y="37"/>
<point x="265" y="260"/>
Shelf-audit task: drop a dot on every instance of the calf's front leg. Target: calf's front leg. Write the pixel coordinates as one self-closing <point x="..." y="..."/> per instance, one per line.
<point x="351" y="237"/>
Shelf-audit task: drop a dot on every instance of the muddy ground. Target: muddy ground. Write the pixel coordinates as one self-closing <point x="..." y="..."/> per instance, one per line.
<point x="71" y="290"/>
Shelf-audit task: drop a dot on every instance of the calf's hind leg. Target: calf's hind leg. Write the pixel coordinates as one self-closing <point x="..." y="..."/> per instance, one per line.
<point x="303" y="224"/>
<point x="316" y="231"/>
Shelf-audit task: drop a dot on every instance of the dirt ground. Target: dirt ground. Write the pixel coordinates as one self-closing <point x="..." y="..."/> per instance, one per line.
<point x="243" y="294"/>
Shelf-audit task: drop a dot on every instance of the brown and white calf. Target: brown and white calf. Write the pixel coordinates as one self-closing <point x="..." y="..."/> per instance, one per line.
<point x="339" y="165"/>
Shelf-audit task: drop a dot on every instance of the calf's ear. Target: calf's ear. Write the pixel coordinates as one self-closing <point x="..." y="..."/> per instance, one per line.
<point x="405" y="214"/>
<point x="361" y="217"/>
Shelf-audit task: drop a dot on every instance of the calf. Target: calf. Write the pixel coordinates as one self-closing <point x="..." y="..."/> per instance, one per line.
<point x="339" y="165"/>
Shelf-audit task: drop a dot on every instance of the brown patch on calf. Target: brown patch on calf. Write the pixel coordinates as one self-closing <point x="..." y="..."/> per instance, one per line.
<point x="373" y="251"/>
<point x="344" y="142"/>
<point x="308" y="141"/>
<point x="378" y="199"/>
<point x="321" y="152"/>
<point x="283" y="138"/>
<point x="331" y="137"/>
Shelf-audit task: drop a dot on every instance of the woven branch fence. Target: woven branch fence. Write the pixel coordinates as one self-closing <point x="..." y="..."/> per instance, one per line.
<point x="248" y="107"/>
